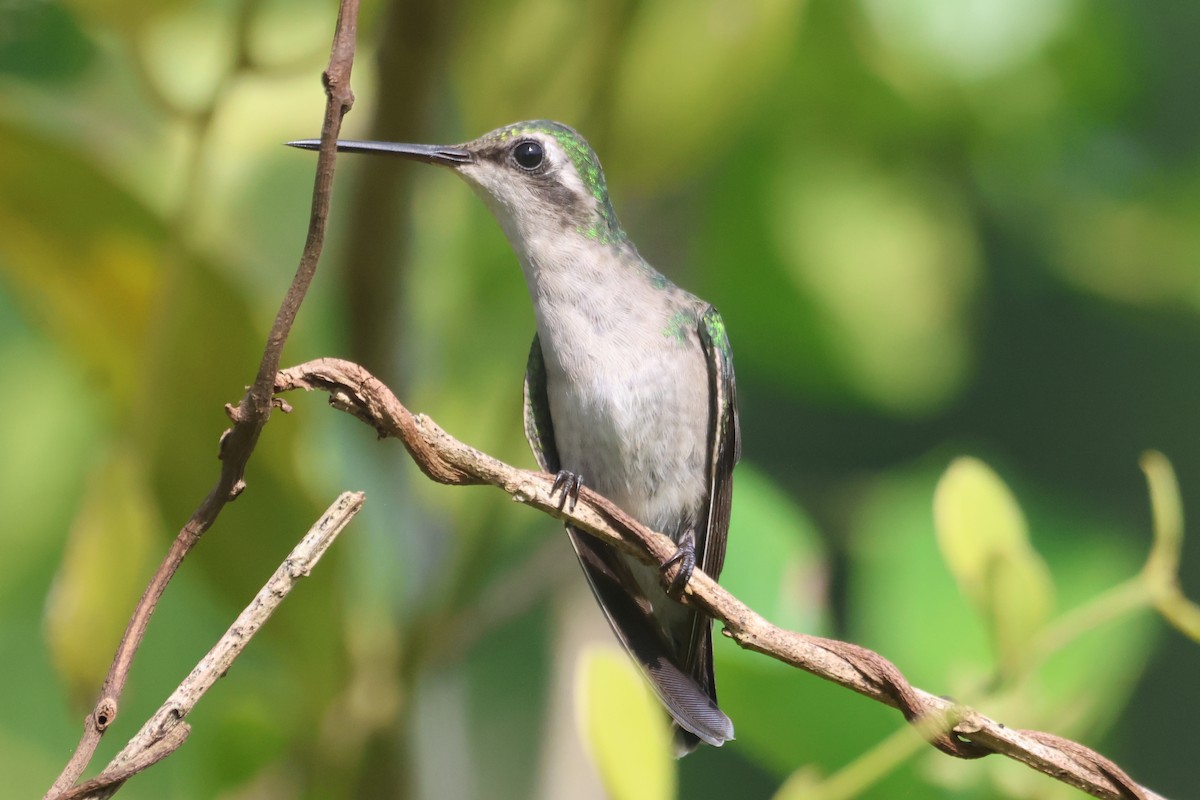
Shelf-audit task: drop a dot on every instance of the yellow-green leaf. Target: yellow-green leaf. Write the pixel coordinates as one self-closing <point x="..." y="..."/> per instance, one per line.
<point x="985" y="542"/>
<point x="624" y="728"/>
<point x="104" y="567"/>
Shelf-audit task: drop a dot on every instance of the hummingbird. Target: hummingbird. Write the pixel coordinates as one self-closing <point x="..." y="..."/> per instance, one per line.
<point x="629" y="387"/>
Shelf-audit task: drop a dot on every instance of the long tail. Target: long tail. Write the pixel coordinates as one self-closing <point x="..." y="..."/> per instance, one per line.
<point x="692" y="706"/>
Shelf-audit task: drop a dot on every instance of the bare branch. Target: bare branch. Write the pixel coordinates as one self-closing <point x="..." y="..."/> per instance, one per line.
<point x="164" y="732"/>
<point x="953" y="729"/>
<point x="249" y="416"/>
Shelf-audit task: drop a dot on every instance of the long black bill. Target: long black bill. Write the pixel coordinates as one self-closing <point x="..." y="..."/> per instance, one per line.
<point x="429" y="153"/>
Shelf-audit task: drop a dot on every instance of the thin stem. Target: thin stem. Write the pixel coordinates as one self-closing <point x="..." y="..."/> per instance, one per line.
<point x="249" y="416"/>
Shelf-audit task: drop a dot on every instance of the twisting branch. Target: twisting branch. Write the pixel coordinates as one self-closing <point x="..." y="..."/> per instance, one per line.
<point x="249" y="416"/>
<point x="164" y="732"/>
<point x="953" y="729"/>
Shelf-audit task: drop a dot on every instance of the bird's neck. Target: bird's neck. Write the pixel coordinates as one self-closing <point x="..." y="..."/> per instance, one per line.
<point x="583" y="290"/>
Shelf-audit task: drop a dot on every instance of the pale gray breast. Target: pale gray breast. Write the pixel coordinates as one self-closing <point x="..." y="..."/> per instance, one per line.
<point x="630" y="409"/>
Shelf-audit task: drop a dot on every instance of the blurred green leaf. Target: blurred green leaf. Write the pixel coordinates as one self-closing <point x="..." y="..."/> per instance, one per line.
<point x="25" y="762"/>
<point x="91" y="283"/>
<point x="689" y="74"/>
<point x="907" y="607"/>
<point x="62" y="419"/>
<point x="903" y="602"/>
<point x="1137" y="251"/>
<point x="624" y="726"/>
<point x="785" y="718"/>
<point x="188" y="53"/>
<point x="985" y="542"/>
<point x="127" y="16"/>
<point x="42" y="41"/>
<point x="104" y="569"/>
<point x="969" y="40"/>
<point x="776" y="565"/>
<point x="775" y="562"/>
<point x="892" y="264"/>
<point x="509" y="674"/>
<point x="1081" y="689"/>
<point x="547" y="52"/>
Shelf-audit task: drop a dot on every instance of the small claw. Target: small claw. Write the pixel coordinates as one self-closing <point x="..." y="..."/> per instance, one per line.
<point x="569" y="483"/>
<point x="685" y="557"/>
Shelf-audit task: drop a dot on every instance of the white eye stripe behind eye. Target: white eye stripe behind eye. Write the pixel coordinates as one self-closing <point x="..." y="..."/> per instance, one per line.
<point x="570" y="178"/>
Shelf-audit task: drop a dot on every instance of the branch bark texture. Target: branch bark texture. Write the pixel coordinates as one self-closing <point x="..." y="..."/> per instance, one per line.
<point x="954" y="729"/>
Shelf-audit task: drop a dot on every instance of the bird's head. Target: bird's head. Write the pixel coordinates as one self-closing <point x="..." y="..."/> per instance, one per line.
<point x="539" y="178"/>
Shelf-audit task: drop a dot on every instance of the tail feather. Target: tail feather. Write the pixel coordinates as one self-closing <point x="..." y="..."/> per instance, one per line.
<point x="688" y="691"/>
<point x="693" y="711"/>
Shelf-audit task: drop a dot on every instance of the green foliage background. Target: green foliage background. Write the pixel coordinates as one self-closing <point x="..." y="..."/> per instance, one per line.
<point x="933" y="228"/>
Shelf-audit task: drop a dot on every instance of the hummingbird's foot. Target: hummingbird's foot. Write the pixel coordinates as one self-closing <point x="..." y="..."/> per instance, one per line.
<point x="685" y="557"/>
<point x="569" y="483"/>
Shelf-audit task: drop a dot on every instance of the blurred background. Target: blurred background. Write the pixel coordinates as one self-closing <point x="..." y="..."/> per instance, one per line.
<point x="933" y="229"/>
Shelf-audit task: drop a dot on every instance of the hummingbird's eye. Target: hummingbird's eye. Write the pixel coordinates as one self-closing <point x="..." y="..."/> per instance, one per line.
<point x="528" y="154"/>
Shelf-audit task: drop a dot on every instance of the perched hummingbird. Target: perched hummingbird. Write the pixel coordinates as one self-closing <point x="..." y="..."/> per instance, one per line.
<point x="629" y="386"/>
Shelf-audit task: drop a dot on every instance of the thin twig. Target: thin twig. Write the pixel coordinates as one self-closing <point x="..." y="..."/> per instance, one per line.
<point x="960" y="731"/>
<point x="249" y="416"/>
<point x="164" y="732"/>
